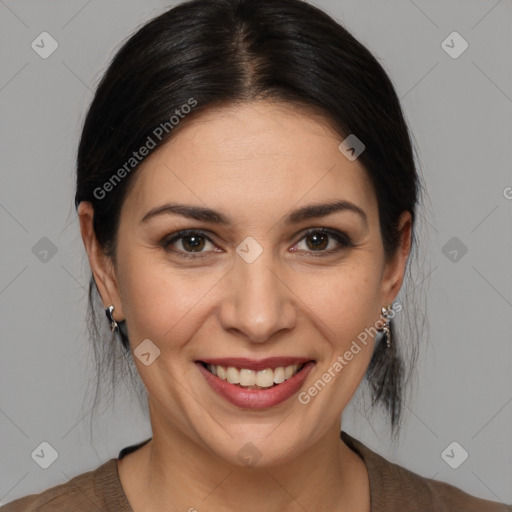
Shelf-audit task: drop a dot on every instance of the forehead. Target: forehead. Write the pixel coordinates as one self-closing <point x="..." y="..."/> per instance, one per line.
<point x="250" y="157"/>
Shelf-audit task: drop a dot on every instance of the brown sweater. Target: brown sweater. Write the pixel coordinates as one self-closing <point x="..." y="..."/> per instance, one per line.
<point x="392" y="489"/>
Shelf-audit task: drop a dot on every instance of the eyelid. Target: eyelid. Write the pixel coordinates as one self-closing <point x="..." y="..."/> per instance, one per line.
<point x="168" y="240"/>
<point x="325" y="230"/>
<point x="344" y="241"/>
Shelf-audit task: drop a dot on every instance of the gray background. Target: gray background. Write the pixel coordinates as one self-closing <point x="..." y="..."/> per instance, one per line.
<point x="459" y="111"/>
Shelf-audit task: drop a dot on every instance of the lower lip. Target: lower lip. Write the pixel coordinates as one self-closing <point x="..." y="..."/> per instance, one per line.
<point x="257" y="398"/>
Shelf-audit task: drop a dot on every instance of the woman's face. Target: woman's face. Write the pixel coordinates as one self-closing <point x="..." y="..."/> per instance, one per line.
<point x="255" y="286"/>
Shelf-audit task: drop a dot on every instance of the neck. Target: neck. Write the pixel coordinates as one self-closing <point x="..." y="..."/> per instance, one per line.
<point x="172" y="473"/>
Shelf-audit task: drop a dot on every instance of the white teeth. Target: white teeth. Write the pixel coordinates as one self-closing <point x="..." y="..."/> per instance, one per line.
<point x="232" y="375"/>
<point x="288" y="371"/>
<point x="279" y="375"/>
<point x="265" y="378"/>
<point x="221" y="372"/>
<point x="249" y="378"/>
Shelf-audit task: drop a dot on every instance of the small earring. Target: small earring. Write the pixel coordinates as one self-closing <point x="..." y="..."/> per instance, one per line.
<point x="385" y="312"/>
<point x="110" y="317"/>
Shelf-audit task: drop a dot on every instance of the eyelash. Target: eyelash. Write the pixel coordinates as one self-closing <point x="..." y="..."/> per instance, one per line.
<point x="340" y="237"/>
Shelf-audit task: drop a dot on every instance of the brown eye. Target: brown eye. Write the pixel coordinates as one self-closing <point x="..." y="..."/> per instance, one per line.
<point x="193" y="243"/>
<point x="320" y="241"/>
<point x="317" y="241"/>
<point x="185" y="243"/>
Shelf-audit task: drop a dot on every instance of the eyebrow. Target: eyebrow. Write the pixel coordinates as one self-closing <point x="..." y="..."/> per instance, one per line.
<point x="209" y="215"/>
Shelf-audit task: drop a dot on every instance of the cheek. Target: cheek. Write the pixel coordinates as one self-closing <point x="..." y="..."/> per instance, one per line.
<point x="344" y="306"/>
<point x="345" y="300"/>
<point x="168" y="305"/>
<point x="159" y="302"/>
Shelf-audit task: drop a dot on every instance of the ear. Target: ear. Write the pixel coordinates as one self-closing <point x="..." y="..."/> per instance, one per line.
<point x="101" y="265"/>
<point x="394" y="269"/>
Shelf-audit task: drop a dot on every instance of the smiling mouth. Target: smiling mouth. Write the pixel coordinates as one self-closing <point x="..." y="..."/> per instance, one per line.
<point x="251" y="379"/>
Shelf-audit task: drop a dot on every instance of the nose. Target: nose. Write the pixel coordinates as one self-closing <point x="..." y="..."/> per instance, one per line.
<point x="259" y="303"/>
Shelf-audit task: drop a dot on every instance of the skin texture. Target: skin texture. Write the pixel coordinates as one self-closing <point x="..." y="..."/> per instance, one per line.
<point x="255" y="162"/>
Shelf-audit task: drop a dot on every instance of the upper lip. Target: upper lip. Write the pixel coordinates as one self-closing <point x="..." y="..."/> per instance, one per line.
<point x="256" y="364"/>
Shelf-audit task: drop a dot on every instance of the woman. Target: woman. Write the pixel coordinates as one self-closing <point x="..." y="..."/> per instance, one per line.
<point x="247" y="197"/>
